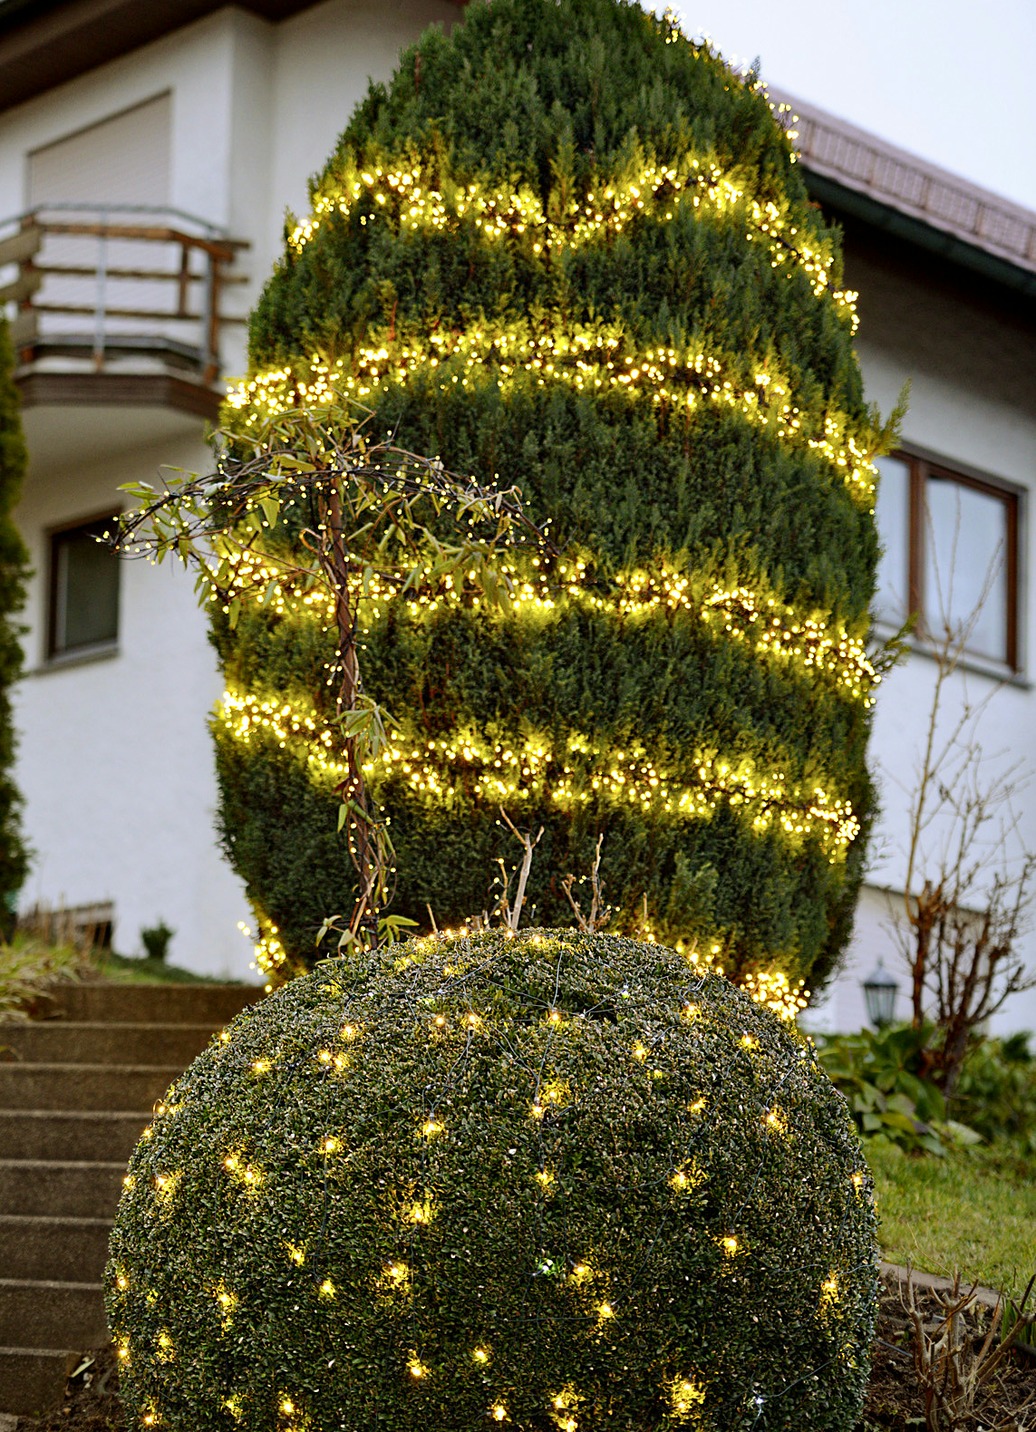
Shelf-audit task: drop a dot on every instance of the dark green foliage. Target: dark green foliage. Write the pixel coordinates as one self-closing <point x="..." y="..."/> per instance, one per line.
<point x="996" y="1093"/>
<point x="528" y="1148"/>
<point x="553" y="101"/>
<point x="14" y="858"/>
<point x="886" y="1078"/>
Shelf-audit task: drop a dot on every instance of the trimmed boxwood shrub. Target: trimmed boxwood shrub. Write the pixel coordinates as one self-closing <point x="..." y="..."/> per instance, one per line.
<point x="568" y="248"/>
<point x="552" y="1180"/>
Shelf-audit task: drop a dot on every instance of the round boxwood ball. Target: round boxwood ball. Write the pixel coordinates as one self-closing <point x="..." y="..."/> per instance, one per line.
<point x="550" y="1180"/>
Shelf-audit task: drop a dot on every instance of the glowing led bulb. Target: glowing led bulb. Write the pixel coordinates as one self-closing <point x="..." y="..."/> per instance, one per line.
<point x="416" y="1368"/>
<point x="605" y="1311"/>
<point x="327" y="1289"/>
<point x="431" y="1127"/>
<point x="730" y="1245"/>
<point x="287" y="1406"/>
<point x="480" y="1354"/>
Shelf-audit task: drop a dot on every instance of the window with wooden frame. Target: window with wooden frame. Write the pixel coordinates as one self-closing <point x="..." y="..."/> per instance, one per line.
<point x="951" y="556"/>
<point x="83" y="615"/>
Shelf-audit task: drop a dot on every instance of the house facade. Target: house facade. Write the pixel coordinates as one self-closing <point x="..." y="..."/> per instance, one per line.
<point x="147" y="157"/>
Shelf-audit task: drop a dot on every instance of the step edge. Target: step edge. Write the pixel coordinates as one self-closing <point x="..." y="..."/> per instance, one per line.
<point x="194" y="1025"/>
<point x="49" y="1285"/>
<point x="69" y="1220"/>
<point x="76" y="1113"/>
<point x="27" y="1164"/>
<point x="44" y="1351"/>
<point x="51" y="1065"/>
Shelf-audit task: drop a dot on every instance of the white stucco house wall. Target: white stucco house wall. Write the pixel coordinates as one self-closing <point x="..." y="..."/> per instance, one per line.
<point x="214" y="116"/>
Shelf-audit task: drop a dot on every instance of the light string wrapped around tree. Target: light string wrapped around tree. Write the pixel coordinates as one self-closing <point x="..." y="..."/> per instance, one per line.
<point x="589" y="267"/>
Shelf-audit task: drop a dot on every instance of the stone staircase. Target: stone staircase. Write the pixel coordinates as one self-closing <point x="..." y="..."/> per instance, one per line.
<point x="76" y="1089"/>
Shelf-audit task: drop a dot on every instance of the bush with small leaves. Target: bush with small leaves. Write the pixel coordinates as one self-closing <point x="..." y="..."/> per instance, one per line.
<point x="551" y="1180"/>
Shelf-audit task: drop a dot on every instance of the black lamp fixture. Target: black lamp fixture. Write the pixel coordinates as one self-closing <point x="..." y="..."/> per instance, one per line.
<point x="880" y="990"/>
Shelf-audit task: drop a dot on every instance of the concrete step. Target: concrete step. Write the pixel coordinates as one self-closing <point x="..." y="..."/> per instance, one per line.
<point x="214" y="1005"/>
<point x="47" y="1313"/>
<point x="50" y="1189"/>
<point x="59" y="1041"/>
<point x="84" y="1086"/>
<point x="32" y="1379"/>
<point x="91" y="1134"/>
<point x="64" y="1249"/>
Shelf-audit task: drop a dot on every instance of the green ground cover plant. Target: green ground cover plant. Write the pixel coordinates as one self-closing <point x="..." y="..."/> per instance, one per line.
<point x="548" y="1179"/>
<point x="885" y="1076"/>
<point x="28" y="967"/>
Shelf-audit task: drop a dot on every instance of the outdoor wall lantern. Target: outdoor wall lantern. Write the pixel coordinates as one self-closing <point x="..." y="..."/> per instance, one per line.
<point x="880" y="990"/>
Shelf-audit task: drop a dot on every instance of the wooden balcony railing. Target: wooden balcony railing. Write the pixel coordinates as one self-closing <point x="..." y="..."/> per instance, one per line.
<point x="117" y="289"/>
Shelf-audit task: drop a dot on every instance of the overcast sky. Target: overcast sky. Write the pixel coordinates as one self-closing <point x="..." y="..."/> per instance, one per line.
<point x="950" y="80"/>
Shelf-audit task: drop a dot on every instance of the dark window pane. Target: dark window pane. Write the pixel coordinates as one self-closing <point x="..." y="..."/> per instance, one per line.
<point x="86" y="589"/>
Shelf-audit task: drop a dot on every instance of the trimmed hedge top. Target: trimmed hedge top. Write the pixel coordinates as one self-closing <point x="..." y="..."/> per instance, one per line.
<point x="554" y="1181"/>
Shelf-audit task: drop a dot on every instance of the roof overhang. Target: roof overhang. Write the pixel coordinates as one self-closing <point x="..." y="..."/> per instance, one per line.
<point x="44" y="43"/>
<point x="854" y="173"/>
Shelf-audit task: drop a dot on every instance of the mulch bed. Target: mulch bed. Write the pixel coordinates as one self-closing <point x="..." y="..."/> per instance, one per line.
<point x="895" y="1401"/>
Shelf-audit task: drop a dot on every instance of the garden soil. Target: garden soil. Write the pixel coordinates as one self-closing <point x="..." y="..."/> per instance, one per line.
<point x="895" y="1399"/>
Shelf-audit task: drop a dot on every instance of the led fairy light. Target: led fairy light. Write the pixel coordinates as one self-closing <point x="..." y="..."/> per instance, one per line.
<point x="769" y="627"/>
<point x="499" y="772"/>
<point x="401" y="194"/>
<point x="588" y="360"/>
<point x="601" y="1297"/>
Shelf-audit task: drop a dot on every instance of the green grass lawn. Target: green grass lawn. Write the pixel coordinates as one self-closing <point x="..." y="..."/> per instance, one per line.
<point x="973" y="1210"/>
<point x="123" y="969"/>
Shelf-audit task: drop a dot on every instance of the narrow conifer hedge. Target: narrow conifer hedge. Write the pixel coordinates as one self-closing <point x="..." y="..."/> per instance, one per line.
<point x="14" y="857"/>
<point x="570" y="248"/>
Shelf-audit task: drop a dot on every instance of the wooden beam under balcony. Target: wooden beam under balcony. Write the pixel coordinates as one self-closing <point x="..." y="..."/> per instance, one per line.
<point x="137" y="390"/>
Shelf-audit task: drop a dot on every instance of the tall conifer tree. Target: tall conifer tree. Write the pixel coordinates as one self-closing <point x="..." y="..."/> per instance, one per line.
<point x="569" y="248"/>
<point x="14" y="860"/>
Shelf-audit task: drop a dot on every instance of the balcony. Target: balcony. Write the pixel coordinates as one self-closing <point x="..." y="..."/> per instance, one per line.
<point x="118" y="306"/>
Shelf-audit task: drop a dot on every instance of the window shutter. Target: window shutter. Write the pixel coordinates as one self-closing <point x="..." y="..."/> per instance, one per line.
<point x="122" y="160"/>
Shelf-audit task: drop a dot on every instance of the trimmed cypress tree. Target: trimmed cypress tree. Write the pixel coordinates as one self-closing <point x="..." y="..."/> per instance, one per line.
<point x="567" y="248"/>
<point x="14" y="858"/>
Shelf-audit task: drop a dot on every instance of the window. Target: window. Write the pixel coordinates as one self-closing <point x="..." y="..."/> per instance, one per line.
<point x="84" y="589"/>
<point x="951" y="555"/>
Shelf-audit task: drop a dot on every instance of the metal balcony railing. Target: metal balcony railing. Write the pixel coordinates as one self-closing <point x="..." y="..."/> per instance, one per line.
<point x="117" y="288"/>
